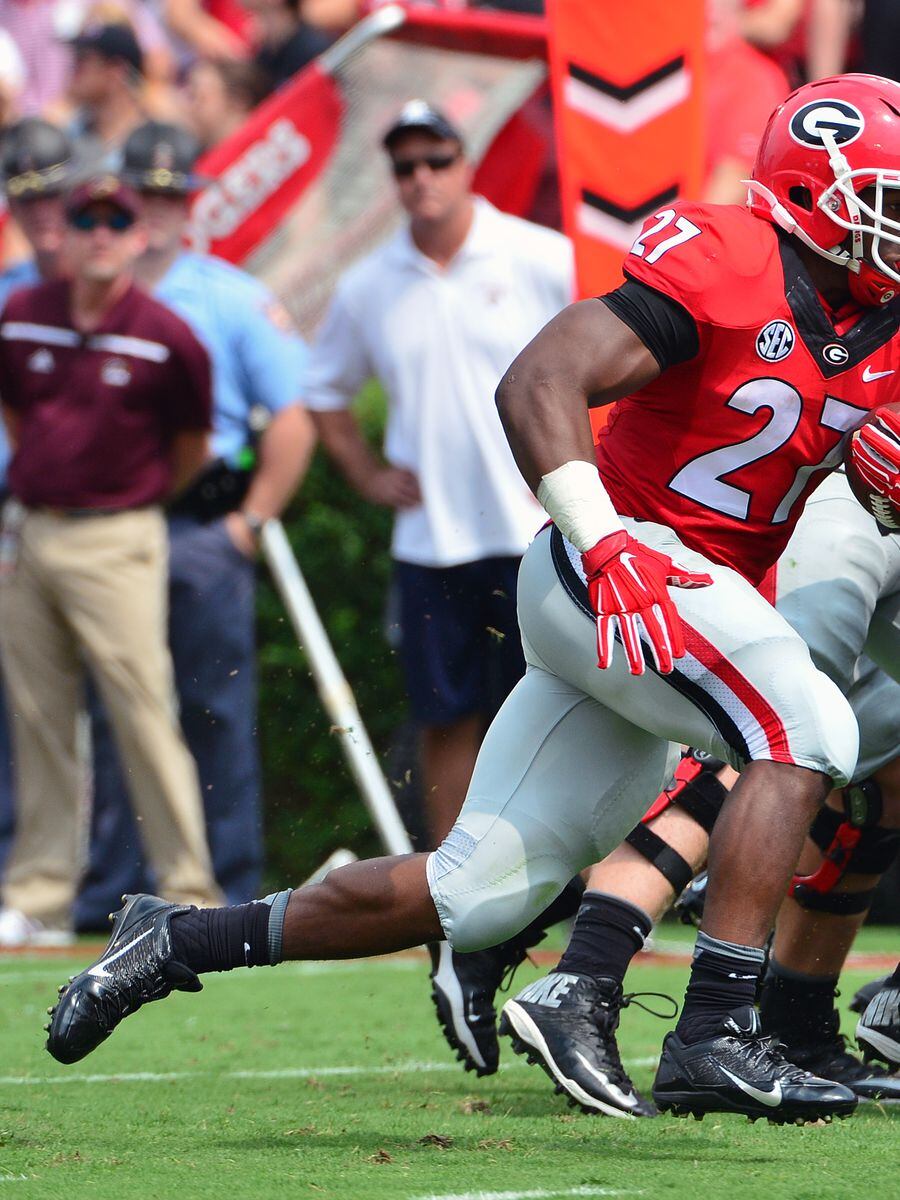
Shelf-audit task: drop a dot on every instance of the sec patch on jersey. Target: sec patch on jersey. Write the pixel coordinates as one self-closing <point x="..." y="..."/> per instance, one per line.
<point x="872" y="463"/>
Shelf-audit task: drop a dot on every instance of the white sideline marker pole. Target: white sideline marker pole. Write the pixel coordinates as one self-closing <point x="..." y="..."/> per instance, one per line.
<point x="334" y="691"/>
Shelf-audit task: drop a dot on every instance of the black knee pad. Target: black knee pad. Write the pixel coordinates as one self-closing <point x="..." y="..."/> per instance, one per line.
<point x="850" y="842"/>
<point x="694" y="788"/>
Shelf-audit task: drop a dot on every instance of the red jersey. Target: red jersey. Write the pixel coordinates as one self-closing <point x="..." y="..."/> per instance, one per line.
<point x="98" y="411"/>
<point x="726" y="447"/>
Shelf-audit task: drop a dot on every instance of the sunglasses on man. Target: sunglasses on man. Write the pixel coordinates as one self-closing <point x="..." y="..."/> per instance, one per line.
<point x="404" y="168"/>
<point x="87" y="222"/>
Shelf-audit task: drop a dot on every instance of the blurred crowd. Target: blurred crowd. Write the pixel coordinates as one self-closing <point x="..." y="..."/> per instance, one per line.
<point x="100" y="68"/>
<point x="134" y="91"/>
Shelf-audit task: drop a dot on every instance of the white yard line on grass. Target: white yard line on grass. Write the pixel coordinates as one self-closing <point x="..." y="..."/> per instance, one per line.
<point x="404" y="1068"/>
<point x="535" y="1194"/>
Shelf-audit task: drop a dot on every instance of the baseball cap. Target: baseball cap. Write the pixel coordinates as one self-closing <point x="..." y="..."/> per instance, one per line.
<point x="419" y="114"/>
<point x="159" y="157"/>
<point x="111" y="41"/>
<point x="35" y="159"/>
<point x="109" y="188"/>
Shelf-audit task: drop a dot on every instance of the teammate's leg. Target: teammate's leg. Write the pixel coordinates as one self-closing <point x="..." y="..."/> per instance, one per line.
<point x="878" y="1029"/>
<point x="567" y="1021"/>
<point x="837" y="874"/>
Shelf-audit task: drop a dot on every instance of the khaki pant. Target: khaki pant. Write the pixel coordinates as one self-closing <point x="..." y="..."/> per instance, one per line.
<point x="93" y="591"/>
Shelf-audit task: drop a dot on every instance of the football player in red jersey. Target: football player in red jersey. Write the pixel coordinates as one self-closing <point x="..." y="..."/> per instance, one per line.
<point x="741" y="351"/>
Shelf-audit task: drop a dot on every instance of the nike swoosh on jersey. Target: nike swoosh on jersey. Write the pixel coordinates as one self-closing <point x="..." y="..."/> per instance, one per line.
<point x="869" y="376"/>
<point x="772" y="1099"/>
<point x="99" y="970"/>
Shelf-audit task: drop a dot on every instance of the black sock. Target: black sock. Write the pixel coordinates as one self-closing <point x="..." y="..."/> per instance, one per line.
<point x="608" y="933"/>
<point x="894" y="980"/>
<point x="220" y="939"/>
<point x="794" y="1006"/>
<point x="724" y="976"/>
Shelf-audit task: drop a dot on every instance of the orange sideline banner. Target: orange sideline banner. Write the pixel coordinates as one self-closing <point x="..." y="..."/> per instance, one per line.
<point x="628" y="100"/>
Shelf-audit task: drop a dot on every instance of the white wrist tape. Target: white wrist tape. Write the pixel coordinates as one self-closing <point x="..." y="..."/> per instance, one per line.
<point x="575" y="498"/>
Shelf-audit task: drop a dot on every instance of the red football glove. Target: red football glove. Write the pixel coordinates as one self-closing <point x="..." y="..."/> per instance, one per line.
<point x="627" y="583"/>
<point x="875" y="452"/>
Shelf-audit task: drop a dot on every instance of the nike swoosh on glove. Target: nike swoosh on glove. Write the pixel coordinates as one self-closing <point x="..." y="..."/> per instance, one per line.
<point x="628" y="585"/>
<point x="875" y="452"/>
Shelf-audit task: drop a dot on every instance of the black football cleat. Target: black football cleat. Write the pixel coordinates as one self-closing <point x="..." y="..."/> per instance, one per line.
<point x="878" y="1029"/>
<point x="863" y="995"/>
<point x="743" y="1071"/>
<point x="135" y="968"/>
<point x="566" y="1024"/>
<point x="828" y="1057"/>
<point x="463" y="987"/>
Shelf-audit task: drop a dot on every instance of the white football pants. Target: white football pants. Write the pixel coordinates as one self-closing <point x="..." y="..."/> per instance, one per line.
<point x="576" y="754"/>
<point x="838" y="583"/>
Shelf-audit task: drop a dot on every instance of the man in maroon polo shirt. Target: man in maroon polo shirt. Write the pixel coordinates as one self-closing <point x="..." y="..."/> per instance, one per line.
<point x="106" y="397"/>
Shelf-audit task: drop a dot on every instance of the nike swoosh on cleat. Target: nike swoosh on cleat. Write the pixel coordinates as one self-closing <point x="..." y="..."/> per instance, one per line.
<point x="624" y="1099"/>
<point x="772" y="1098"/>
<point x="99" y="970"/>
<point x="869" y="376"/>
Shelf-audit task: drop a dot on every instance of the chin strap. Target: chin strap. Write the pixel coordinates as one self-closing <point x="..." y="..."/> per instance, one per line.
<point x="783" y="219"/>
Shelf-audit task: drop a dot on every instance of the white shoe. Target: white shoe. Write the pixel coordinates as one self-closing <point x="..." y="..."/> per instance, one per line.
<point x="18" y="930"/>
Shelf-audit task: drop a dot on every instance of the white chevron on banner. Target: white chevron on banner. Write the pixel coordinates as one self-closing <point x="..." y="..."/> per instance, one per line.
<point x="626" y="115"/>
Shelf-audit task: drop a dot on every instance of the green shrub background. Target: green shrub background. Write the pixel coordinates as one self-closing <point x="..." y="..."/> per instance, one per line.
<point x="312" y="805"/>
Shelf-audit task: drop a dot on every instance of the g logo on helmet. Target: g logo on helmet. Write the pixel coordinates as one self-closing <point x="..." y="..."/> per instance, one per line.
<point x="842" y="120"/>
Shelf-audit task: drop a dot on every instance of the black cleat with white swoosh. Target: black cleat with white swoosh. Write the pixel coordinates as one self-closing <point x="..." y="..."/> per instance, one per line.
<point x="136" y="967"/>
<point x="742" y="1071"/>
<point x="567" y="1024"/>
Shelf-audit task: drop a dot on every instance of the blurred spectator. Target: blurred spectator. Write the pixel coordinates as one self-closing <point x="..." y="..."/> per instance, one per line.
<point x="829" y="40"/>
<point x="12" y="79"/>
<point x="106" y="397"/>
<point x="437" y="314"/>
<point x="33" y="157"/>
<point x="220" y="95"/>
<point x="106" y="85"/>
<point x="283" y="40"/>
<point x="779" y="29"/>
<point x="12" y="82"/>
<point x="205" y="28"/>
<point x="880" y="37"/>
<point x="743" y="86"/>
<point x="257" y="367"/>
<point x="33" y="26"/>
<point x="769" y="23"/>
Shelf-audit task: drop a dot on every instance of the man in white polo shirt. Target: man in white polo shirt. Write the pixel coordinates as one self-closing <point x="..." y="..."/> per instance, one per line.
<point x="437" y="314"/>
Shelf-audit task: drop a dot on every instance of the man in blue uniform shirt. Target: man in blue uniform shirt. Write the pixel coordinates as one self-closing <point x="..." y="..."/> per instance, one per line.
<point x="34" y="160"/>
<point x="258" y="364"/>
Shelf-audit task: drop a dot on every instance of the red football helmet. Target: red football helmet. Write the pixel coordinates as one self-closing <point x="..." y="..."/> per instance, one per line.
<point x="827" y="143"/>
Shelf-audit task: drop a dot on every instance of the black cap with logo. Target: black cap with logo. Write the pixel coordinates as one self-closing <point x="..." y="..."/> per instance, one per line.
<point x="419" y="115"/>
<point x="159" y="157"/>
<point x="113" y="41"/>
<point x="35" y="159"/>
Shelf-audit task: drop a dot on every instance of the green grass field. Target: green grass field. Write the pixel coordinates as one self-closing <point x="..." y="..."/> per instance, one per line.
<point x="332" y="1080"/>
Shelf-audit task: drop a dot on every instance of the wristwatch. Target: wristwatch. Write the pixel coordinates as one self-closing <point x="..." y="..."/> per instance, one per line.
<point x="254" y="523"/>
